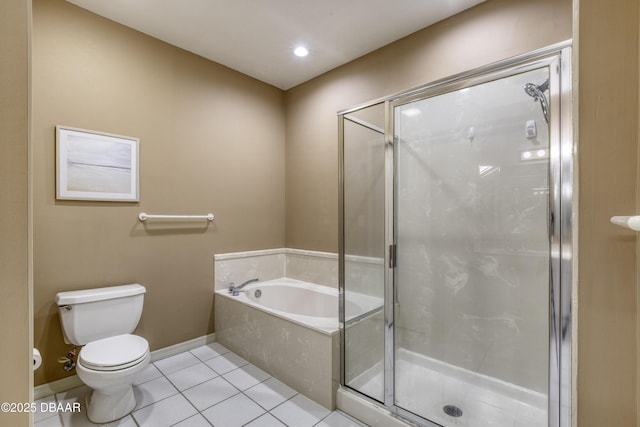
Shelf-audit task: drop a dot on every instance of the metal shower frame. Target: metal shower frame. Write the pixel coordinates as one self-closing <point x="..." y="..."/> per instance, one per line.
<point x="562" y="230"/>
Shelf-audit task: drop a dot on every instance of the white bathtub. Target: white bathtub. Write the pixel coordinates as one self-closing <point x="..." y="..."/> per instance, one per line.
<point x="307" y="304"/>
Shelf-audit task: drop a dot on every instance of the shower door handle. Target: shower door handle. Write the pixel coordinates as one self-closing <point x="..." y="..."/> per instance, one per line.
<point x="392" y="256"/>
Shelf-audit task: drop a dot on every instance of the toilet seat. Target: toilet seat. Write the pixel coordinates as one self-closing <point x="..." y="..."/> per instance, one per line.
<point x="114" y="353"/>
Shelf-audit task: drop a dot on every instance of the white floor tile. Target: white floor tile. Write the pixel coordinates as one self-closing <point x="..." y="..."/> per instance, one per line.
<point x="165" y="412"/>
<point x="267" y="420"/>
<point x="153" y="391"/>
<point x="77" y="394"/>
<point x="300" y="411"/>
<point x="149" y="373"/>
<point x="191" y="376"/>
<point x="40" y="415"/>
<point x="209" y="393"/>
<point x="159" y="403"/>
<point x="177" y="362"/>
<point x="270" y="393"/>
<point x="225" y="363"/>
<point x="209" y="351"/>
<point x="76" y="419"/>
<point x="246" y="376"/>
<point x="54" y="421"/>
<point x="123" y="422"/>
<point x="337" y="419"/>
<point x="196" y="421"/>
<point x="233" y="412"/>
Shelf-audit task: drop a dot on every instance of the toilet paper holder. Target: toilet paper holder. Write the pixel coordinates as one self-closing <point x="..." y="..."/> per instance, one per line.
<point x="37" y="359"/>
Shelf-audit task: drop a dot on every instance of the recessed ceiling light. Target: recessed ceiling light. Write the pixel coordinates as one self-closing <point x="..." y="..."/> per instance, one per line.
<point x="300" y="51"/>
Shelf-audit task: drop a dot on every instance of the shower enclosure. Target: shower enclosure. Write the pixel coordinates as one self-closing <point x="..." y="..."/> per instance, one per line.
<point x="455" y="219"/>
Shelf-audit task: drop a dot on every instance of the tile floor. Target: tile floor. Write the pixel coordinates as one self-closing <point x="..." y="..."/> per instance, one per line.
<point x="203" y="387"/>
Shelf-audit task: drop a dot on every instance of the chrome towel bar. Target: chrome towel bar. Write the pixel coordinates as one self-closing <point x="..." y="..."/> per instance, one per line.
<point x="144" y="216"/>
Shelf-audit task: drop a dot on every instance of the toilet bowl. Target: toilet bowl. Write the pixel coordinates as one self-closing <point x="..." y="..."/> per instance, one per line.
<point x="102" y="320"/>
<point x="109" y="367"/>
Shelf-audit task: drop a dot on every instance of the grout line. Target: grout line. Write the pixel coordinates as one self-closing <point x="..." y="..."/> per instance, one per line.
<point x="323" y="418"/>
<point x="136" y="409"/>
<point x="198" y="412"/>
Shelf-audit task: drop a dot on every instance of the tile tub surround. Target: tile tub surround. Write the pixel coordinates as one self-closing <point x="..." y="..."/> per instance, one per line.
<point x="363" y="274"/>
<point x="306" y="360"/>
<point x="208" y="385"/>
<point x="309" y="266"/>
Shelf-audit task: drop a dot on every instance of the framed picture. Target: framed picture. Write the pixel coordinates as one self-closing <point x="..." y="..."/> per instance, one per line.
<point x="96" y="166"/>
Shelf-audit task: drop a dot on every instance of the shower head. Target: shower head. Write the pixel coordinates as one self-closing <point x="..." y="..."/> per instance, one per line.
<point x="537" y="92"/>
<point x="532" y="90"/>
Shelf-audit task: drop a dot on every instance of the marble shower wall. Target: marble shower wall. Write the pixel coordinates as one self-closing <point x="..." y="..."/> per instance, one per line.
<point x="473" y="246"/>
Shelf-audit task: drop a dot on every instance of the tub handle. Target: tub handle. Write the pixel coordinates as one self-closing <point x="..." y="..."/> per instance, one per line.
<point x="235" y="290"/>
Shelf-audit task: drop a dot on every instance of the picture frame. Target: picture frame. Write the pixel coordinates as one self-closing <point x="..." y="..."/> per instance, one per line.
<point x="96" y="166"/>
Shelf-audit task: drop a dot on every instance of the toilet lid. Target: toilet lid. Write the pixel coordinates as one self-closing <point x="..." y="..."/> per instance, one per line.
<point x="114" y="353"/>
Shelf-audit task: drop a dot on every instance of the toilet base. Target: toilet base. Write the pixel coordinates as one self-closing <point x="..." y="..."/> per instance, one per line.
<point x="112" y="391"/>
<point x="104" y="408"/>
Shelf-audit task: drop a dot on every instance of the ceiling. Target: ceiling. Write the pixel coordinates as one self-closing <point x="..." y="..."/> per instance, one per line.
<point x="257" y="37"/>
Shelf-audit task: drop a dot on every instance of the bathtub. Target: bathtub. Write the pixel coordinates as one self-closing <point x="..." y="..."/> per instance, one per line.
<point x="288" y="329"/>
<point x="306" y="304"/>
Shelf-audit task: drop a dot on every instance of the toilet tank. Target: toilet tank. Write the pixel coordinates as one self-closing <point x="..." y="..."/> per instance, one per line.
<point x="92" y="314"/>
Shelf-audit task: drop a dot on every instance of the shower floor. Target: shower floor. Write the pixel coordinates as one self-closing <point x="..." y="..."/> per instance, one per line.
<point x="429" y="385"/>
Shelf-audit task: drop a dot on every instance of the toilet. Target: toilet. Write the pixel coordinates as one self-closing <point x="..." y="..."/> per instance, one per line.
<point x="102" y="320"/>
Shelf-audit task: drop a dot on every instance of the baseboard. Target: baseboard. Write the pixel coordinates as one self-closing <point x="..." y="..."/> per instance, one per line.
<point x="55" y="387"/>
<point x="73" y="381"/>
<point x="163" y="353"/>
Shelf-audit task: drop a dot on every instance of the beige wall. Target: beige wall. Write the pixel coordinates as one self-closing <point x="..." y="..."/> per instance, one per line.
<point x="489" y="32"/>
<point x="607" y="72"/>
<point x="15" y="303"/>
<point x="211" y="140"/>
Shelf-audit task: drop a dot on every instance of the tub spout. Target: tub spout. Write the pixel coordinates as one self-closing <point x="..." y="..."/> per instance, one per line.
<point x="235" y="290"/>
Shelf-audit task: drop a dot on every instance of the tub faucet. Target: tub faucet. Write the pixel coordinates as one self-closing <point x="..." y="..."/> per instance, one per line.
<point x="235" y="290"/>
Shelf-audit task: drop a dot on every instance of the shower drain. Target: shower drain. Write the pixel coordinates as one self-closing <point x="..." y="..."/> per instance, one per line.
<point x="452" y="411"/>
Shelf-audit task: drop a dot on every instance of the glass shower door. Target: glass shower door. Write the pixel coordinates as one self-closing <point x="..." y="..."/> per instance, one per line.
<point x="363" y="254"/>
<point x="472" y="276"/>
